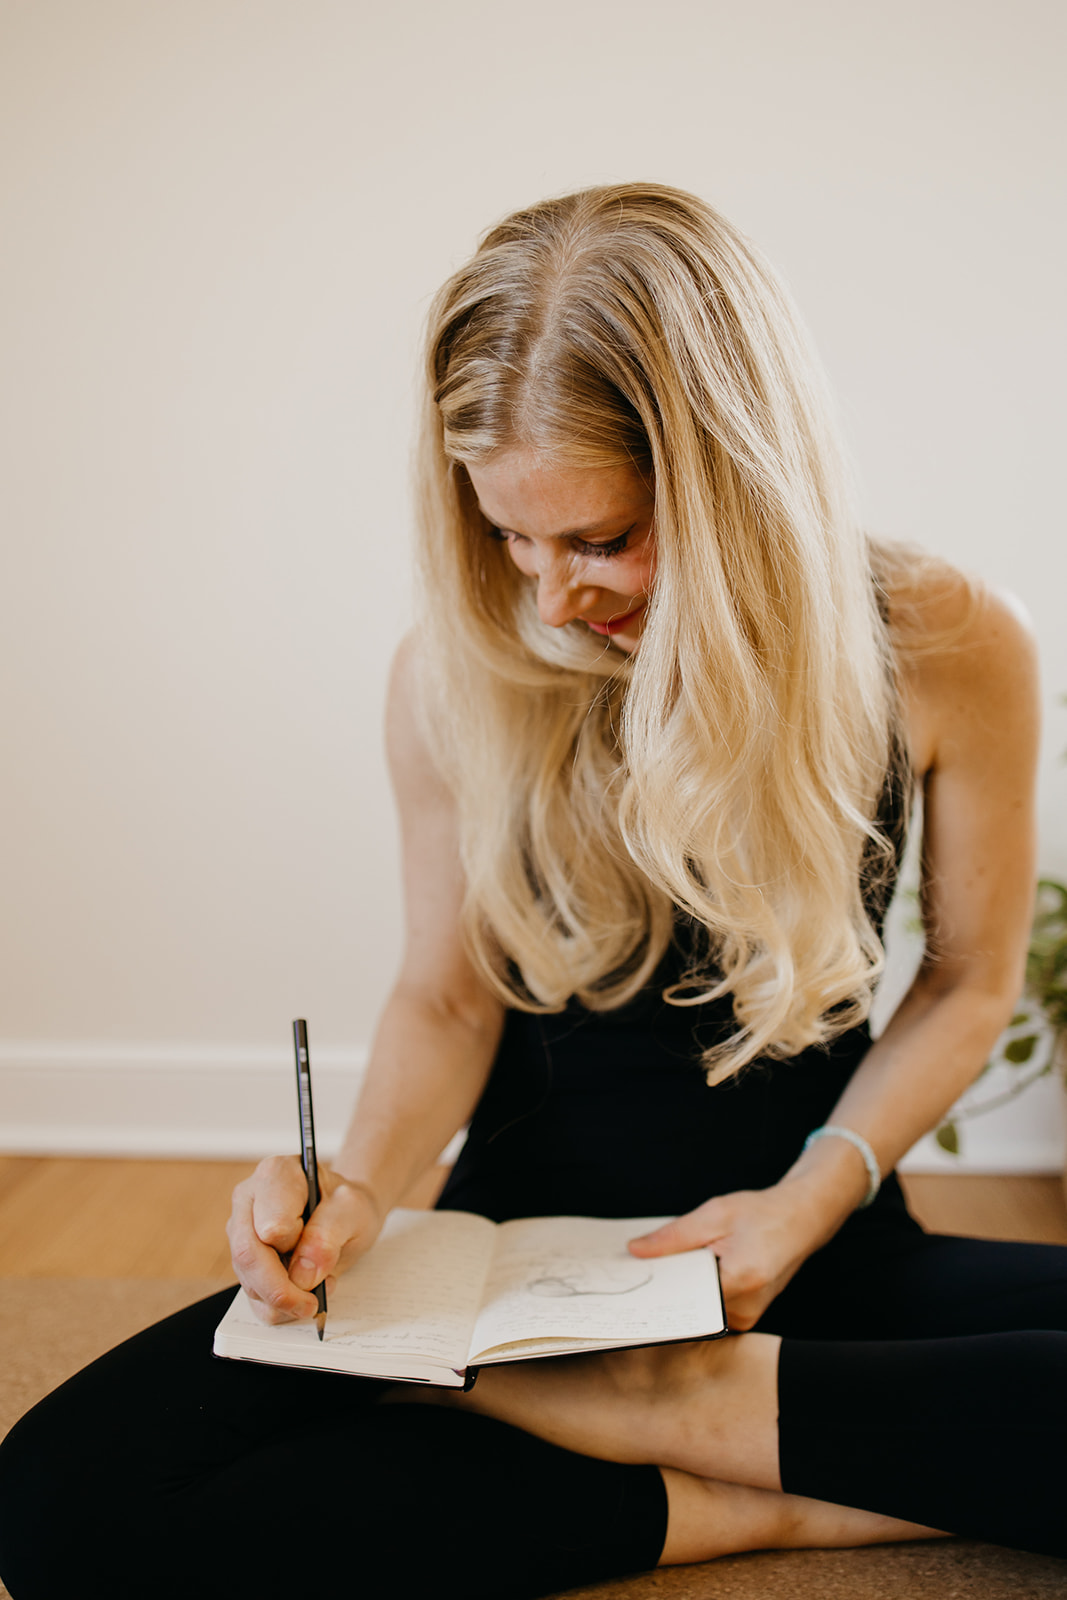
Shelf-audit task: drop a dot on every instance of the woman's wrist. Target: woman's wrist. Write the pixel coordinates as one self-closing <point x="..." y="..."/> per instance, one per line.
<point x="834" y="1130"/>
<point x="829" y="1180"/>
<point x="376" y="1162"/>
<point x="366" y="1194"/>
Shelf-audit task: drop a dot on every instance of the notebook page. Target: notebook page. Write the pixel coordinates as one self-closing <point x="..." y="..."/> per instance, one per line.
<point x="414" y="1294"/>
<point x="573" y="1278"/>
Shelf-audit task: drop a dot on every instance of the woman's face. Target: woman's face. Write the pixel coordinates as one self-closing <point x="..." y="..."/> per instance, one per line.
<point x="582" y="534"/>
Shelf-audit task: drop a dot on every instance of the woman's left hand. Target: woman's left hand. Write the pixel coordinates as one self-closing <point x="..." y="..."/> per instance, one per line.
<point x="760" y="1236"/>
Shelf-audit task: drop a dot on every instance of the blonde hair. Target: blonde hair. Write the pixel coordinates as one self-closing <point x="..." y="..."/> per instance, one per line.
<point x="730" y="769"/>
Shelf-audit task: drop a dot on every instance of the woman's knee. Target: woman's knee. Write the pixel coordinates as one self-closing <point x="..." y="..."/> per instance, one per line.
<point x="43" y="1498"/>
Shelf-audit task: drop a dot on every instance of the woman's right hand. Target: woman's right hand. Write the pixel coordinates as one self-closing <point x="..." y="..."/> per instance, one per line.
<point x="277" y="1258"/>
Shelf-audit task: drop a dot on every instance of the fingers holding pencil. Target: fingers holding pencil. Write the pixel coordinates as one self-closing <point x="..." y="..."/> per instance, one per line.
<point x="293" y="1225"/>
<point x="266" y="1223"/>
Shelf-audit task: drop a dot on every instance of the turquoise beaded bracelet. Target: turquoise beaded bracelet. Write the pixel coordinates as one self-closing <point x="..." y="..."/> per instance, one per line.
<point x="870" y="1160"/>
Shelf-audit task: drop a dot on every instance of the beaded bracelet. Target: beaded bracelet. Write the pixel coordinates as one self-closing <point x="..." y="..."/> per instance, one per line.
<point x="870" y="1160"/>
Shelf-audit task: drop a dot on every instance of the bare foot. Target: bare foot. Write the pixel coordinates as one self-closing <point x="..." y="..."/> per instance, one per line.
<point x="708" y="1408"/>
<point x="708" y="1519"/>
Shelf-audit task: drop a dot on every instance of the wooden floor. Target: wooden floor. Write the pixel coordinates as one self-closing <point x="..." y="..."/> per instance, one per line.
<point x="991" y="1208"/>
<point x="66" y="1218"/>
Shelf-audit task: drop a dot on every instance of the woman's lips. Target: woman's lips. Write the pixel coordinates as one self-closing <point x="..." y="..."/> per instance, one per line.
<point x="615" y="624"/>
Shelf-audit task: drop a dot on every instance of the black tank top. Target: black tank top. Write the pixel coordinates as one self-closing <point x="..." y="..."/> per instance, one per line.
<point x="608" y="1113"/>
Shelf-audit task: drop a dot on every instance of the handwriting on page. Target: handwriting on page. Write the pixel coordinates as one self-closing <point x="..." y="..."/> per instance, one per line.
<point x="417" y="1291"/>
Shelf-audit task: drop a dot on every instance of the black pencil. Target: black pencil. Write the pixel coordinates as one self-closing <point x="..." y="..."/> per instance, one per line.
<point x="307" y="1144"/>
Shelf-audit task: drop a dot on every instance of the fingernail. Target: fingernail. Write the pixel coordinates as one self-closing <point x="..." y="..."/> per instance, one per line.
<point x="303" y="1272"/>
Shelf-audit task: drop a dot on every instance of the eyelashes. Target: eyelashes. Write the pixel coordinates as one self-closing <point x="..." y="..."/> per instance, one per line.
<point x="599" y="552"/>
<point x="614" y="547"/>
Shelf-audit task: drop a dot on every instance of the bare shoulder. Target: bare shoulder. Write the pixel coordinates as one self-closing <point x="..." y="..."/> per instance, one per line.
<point x="411" y="765"/>
<point x="968" y="663"/>
<point x="436" y="965"/>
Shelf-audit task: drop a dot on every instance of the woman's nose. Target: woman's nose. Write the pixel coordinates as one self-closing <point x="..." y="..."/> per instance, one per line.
<point x="560" y="599"/>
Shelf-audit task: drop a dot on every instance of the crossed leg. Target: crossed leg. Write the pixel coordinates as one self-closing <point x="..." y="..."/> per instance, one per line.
<point x="915" y="1429"/>
<point x="705" y="1413"/>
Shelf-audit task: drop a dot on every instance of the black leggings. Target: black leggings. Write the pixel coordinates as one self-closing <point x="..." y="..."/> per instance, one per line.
<point x="904" y="1387"/>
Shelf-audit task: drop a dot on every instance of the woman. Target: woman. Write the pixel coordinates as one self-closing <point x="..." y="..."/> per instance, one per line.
<point x="654" y="744"/>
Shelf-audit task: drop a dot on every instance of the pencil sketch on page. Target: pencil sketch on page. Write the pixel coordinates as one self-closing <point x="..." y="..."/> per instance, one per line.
<point x="558" y="1277"/>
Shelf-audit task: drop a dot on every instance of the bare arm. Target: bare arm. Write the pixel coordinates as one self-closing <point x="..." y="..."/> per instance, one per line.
<point x="440" y="1028"/>
<point x="429" y="1062"/>
<point x="975" y="720"/>
<point x="974" y="724"/>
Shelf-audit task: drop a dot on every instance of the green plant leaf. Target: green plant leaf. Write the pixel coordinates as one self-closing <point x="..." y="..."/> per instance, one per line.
<point x="948" y="1138"/>
<point x="1019" y="1050"/>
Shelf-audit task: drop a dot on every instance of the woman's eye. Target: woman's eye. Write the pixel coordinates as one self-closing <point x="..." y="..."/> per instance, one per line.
<point x="506" y="536"/>
<point x="614" y="547"/>
<point x="602" y="552"/>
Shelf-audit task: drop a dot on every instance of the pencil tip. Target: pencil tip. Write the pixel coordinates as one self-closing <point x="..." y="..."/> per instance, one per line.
<point x="320" y="1323"/>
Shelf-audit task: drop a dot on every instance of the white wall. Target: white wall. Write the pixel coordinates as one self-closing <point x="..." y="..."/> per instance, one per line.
<point x="222" y="220"/>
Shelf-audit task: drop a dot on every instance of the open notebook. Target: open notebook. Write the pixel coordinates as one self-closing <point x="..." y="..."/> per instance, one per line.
<point x="444" y="1292"/>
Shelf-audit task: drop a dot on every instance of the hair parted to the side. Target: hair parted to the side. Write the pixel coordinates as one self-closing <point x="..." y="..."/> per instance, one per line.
<point x="731" y="767"/>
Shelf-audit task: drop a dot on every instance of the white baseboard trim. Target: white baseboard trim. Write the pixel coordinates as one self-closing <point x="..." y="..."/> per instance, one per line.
<point x="91" y="1098"/>
<point x="204" y="1101"/>
<point x="1038" y="1159"/>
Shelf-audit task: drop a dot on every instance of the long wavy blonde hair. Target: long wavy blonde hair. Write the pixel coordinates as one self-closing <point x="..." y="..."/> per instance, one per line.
<point x="729" y="771"/>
